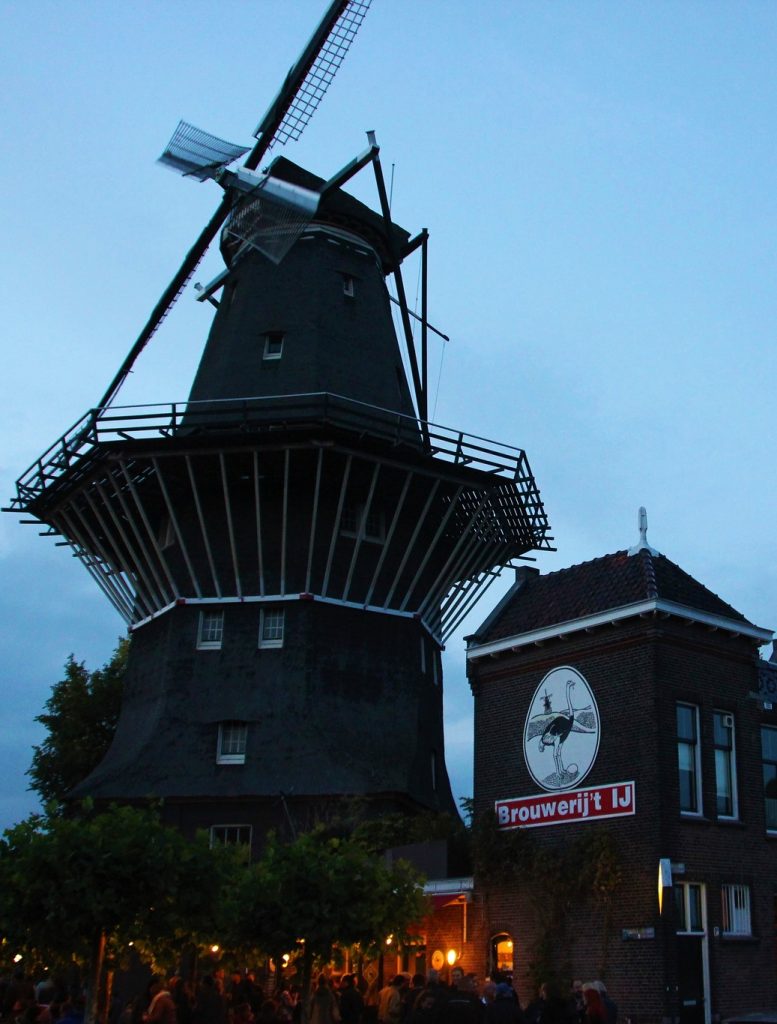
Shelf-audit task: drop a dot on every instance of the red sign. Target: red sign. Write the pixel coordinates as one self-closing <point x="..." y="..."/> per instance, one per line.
<point x="613" y="801"/>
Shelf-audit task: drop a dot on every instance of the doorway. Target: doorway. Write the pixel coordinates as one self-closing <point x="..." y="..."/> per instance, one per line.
<point x="693" y="970"/>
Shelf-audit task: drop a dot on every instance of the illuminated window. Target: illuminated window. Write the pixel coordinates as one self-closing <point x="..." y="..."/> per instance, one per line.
<point x="232" y="742"/>
<point x="736" y="910"/>
<point x="725" y="765"/>
<point x="769" y="756"/>
<point x="271" y="623"/>
<point x="273" y="345"/>
<point x="688" y="762"/>
<point x="502" y="954"/>
<point x="211" y="631"/>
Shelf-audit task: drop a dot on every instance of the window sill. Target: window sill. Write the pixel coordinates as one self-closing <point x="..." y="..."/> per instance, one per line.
<point x="731" y="822"/>
<point x="231" y="759"/>
<point x="740" y="940"/>
<point x="208" y="647"/>
<point x="694" y="819"/>
<point x="265" y="645"/>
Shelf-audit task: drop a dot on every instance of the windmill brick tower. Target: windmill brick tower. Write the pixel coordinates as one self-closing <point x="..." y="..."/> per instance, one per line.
<point x="292" y="544"/>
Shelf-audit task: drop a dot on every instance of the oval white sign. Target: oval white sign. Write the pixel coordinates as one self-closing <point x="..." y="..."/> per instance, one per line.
<point x="561" y="734"/>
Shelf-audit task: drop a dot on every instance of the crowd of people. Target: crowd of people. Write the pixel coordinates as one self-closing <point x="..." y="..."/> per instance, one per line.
<point x="335" y="999"/>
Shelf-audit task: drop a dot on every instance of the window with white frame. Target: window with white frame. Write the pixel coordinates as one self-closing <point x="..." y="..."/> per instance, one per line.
<point x="232" y="742"/>
<point x="725" y="764"/>
<point x="271" y="625"/>
<point x="736" y="910"/>
<point x="211" y="631"/>
<point x="769" y="758"/>
<point x="231" y="835"/>
<point x="689" y="907"/>
<point x="689" y="758"/>
<point x="273" y="345"/>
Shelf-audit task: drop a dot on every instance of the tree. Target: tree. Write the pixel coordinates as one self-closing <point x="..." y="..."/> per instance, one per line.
<point x="320" y="891"/>
<point x="80" y="717"/>
<point x="72" y="887"/>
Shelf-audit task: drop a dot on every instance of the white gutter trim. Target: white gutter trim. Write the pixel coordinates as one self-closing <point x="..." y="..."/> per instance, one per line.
<point x="612" y="615"/>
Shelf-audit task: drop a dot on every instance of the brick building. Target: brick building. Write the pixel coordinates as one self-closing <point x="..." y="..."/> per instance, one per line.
<point x="622" y="697"/>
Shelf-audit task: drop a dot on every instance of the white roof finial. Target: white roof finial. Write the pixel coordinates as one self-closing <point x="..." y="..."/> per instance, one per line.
<point x="642" y="545"/>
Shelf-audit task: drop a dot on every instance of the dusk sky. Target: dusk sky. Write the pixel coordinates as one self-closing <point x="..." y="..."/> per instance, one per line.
<point x="598" y="180"/>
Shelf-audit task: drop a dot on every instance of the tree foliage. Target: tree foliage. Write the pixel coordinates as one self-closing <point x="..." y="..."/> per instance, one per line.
<point x="319" y="891"/>
<point x="80" y="718"/>
<point x="73" y="886"/>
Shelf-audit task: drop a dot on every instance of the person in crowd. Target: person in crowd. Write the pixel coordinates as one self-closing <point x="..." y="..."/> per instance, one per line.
<point x="183" y="997"/>
<point x="536" y="1009"/>
<point x="70" y="1013"/>
<point x="504" y="1008"/>
<point x="371" y="1001"/>
<point x="351" y="1001"/>
<point x="390" y="1001"/>
<point x="595" y="1012"/>
<point x="576" y="1003"/>
<point x="161" y="1009"/>
<point x="286" y="1003"/>
<point x="323" y="1004"/>
<point x="610" y="1008"/>
<point x="430" y="1003"/>
<point x="243" y="1014"/>
<point x="410" y="994"/>
<point x="268" y="1013"/>
<point x="209" y="1006"/>
<point x="488" y="992"/>
<point x="463" y="1006"/>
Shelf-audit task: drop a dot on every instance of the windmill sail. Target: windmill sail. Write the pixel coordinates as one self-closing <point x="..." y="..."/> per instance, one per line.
<point x="199" y="154"/>
<point x="272" y="217"/>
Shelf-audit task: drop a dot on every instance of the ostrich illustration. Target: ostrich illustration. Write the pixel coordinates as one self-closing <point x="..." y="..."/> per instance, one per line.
<point x="553" y="728"/>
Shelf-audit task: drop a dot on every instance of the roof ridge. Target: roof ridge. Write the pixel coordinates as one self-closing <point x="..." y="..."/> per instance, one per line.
<point x="649" y="571"/>
<point x="579" y="565"/>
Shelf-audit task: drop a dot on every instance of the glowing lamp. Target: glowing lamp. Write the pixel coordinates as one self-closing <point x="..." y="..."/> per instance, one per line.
<point x="664" y="880"/>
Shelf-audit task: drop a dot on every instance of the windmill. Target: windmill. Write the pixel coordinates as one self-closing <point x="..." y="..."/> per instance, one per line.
<point x="293" y="543"/>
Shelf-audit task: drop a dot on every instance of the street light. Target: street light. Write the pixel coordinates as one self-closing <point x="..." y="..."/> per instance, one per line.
<point x="664" y="880"/>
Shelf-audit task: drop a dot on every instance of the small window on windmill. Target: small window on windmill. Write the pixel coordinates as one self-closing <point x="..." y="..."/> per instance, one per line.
<point x="349" y="286"/>
<point x="371" y="524"/>
<point x="273" y="345"/>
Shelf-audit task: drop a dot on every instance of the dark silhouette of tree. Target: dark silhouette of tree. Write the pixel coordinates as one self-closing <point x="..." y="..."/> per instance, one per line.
<point x="80" y="717"/>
